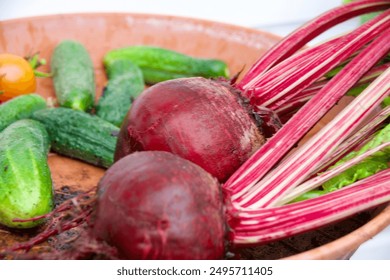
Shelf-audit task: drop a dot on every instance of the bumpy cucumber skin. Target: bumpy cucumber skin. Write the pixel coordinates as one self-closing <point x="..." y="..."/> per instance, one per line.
<point x="26" y="189"/>
<point x="73" y="75"/>
<point x="159" y="64"/>
<point x="20" y="107"/>
<point x="79" y="135"/>
<point x="124" y="85"/>
<point x="121" y="67"/>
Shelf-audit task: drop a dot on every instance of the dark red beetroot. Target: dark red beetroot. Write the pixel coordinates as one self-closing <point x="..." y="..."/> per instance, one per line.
<point x="155" y="205"/>
<point x="198" y="119"/>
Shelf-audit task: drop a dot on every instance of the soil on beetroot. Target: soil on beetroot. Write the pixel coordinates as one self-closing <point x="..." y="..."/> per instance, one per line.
<point x="60" y="242"/>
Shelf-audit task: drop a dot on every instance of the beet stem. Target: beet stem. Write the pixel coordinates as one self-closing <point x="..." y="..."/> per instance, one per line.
<point x="297" y="39"/>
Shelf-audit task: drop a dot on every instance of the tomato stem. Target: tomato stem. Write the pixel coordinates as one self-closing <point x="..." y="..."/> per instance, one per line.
<point x="36" y="62"/>
<point x="40" y="74"/>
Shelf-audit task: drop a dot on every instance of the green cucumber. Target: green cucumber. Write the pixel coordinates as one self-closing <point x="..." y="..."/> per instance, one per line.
<point x="159" y="64"/>
<point x="125" y="83"/>
<point x="20" y="107"/>
<point x="73" y="75"/>
<point x="79" y="135"/>
<point x="26" y="189"/>
<point x="121" y="67"/>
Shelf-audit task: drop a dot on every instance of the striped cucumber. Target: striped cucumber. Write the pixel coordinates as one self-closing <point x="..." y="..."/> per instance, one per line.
<point x="125" y="83"/>
<point x="26" y="189"/>
<point x="79" y="135"/>
<point x="160" y="64"/>
<point x="20" y="107"/>
<point x="73" y="75"/>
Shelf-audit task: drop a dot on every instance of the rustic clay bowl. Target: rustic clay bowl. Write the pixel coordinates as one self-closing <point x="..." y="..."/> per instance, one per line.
<point x="238" y="46"/>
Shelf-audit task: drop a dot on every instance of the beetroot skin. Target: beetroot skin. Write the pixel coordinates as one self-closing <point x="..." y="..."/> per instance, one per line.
<point x="155" y="205"/>
<point x="198" y="119"/>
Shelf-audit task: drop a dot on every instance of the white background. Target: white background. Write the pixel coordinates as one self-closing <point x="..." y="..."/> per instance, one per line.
<point x="281" y="270"/>
<point x="277" y="16"/>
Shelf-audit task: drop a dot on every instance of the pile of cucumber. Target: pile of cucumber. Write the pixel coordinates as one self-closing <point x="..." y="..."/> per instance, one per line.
<point x="78" y="127"/>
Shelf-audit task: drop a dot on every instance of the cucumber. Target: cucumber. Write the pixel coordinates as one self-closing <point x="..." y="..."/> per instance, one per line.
<point x="73" y="75"/>
<point x="26" y="189"/>
<point x="121" y="67"/>
<point x="20" y="107"/>
<point x="79" y="135"/>
<point x="159" y="64"/>
<point x="125" y="83"/>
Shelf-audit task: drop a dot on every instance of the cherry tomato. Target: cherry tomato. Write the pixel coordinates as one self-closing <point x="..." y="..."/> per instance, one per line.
<point x="16" y="76"/>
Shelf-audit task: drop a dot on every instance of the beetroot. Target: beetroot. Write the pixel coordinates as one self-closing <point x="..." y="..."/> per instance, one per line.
<point x="155" y="205"/>
<point x="201" y="120"/>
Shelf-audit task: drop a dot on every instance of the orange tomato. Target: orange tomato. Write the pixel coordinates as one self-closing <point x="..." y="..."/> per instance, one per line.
<point x="16" y="76"/>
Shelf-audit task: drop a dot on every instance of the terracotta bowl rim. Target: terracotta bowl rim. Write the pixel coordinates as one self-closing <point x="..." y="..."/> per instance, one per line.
<point x="140" y="14"/>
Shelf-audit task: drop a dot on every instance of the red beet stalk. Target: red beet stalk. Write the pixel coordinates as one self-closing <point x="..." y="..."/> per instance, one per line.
<point x="276" y="147"/>
<point x="259" y="226"/>
<point x="295" y="169"/>
<point x="325" y="176"/>
<point x="286" y="109"/>
<point x="358" y="139"/>
<point x="278" y="86"/>
<point x="304" y="34"/>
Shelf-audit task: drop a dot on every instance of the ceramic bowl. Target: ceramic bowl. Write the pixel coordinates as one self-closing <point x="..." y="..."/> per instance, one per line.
<point x="238" y="46"/>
